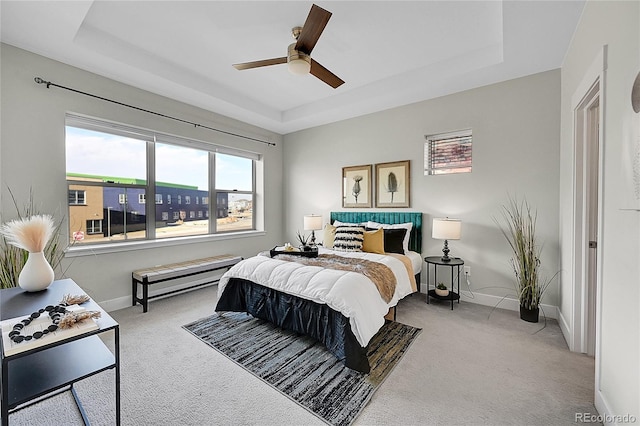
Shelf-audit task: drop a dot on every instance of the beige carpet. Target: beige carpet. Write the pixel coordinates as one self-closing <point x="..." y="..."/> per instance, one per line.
<point x="464" y="368"/>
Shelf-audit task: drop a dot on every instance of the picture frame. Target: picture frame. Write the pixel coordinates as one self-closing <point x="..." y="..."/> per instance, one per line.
<point x="631" y="152"/>
<point x="393" y="184"/>
<point x="357" y="186"/>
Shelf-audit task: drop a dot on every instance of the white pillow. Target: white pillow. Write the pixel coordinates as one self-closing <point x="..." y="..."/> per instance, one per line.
<point x="408" y="226"/>
<point x="338" y="223"/>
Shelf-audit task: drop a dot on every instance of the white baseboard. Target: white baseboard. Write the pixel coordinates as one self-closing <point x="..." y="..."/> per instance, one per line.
<point x="511" y="304"/>
<point x="566" y="330"/>
<point x="479" y="298"/>
<point x="604" y="409"/>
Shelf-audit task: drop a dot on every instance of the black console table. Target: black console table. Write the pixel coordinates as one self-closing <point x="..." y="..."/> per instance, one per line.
<point x="437" y="261"/>
<point x="53" y="368"/>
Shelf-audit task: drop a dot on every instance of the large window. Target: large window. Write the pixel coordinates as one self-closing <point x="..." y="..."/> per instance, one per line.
<point x="109" y="183"/>
<point x="448" y="153"/>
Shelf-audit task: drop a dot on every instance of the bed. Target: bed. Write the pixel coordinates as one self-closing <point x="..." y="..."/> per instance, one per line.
<point x="342" y="306"/>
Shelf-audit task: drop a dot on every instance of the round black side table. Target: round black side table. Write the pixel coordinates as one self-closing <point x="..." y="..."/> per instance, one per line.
<point x="437" y="261"/>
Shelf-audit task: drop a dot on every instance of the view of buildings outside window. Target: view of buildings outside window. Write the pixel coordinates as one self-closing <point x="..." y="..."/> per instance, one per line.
<point x="106" y="176"/>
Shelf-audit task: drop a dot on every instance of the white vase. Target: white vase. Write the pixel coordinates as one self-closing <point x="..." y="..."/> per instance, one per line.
<point x="37" y="274"/>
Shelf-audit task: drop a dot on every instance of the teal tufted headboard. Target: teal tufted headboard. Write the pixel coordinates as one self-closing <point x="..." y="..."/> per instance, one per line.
<point x="415" y="240"/>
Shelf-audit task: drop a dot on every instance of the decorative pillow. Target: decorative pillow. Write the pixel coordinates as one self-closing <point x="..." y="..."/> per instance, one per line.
<point x="373" y="241"/>
<point x="348" y="238"/>
<point x="329" y="236"/>
<point x="394" y="240"/>
<point x="338" y="223"/>
<point x="408" y="226"/>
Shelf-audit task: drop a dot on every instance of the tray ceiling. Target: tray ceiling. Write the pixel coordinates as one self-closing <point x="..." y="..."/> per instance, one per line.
<point x="389" y="53"/>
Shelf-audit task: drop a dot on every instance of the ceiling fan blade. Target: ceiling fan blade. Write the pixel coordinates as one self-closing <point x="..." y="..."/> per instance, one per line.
<point x="325" y="75"/>
<point x="263" y="63"/>
<point x="312" y="29"/>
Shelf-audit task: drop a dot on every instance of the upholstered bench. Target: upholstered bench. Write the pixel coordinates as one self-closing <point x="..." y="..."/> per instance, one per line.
<point x="161" y="273"/>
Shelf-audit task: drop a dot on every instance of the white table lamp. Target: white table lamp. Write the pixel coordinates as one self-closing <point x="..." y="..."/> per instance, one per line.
<point x="312" y="223"/>
<point x="446" y="229"/>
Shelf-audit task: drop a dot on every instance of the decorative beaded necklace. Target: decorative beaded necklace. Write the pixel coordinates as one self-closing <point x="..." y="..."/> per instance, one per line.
<point x="56" y="314"/>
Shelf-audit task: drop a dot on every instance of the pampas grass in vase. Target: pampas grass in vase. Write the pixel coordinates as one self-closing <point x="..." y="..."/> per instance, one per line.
<point x="32" y="234"/>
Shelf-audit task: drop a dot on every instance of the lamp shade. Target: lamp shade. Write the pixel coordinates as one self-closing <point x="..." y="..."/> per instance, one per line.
<point x="446" y="229"/>
<point x="312" y="222"/>
<point x="299" y="66"/>
<point x="298" y="62"/>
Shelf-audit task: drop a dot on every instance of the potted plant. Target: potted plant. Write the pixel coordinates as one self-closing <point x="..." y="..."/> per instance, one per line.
<point x="442" y="290"/>
<point x="304" y="242"/>
<point x="519" y="229"/>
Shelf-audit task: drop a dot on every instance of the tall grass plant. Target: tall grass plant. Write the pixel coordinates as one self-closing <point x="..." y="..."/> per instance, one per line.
<point x="518" y="225"/>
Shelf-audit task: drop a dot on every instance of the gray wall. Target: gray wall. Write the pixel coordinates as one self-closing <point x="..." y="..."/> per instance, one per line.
<point x="516" y="126"/>
<point x="616" y="24"/>
<point x="32" y="155"/>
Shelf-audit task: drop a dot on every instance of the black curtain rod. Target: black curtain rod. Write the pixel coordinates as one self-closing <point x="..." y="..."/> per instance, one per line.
<point x="48" y="83"/>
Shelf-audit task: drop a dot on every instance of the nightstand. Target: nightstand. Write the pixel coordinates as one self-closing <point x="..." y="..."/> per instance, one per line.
<point x="436" y="261"/>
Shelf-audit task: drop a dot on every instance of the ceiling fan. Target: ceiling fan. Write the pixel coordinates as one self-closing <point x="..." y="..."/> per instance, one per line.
<point x="298" y="58"/>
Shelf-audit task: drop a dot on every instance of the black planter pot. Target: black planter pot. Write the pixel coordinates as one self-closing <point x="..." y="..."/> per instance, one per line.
<point x="529" y="315"/>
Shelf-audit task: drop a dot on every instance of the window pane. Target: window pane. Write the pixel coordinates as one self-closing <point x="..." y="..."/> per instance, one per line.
<point x="234" y="211"/>
<point x="448" y="153"/>
<point x="114" y="157"/>
<point x="76" y="197"/>
<point x="234" y="173"/>
<point x="110" y="214"/>
<point x="182" y="174"/>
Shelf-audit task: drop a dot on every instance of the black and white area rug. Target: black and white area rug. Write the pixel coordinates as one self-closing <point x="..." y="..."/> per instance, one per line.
<point x="300" y="367"/>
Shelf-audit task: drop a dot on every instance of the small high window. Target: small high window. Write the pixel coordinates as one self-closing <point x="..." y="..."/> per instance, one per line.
<point x="448" y="153"/>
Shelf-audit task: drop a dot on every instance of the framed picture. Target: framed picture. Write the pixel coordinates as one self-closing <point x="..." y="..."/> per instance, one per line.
<point x="631" y="152"/>
<point x="357" y="186"/>
<point x="393" y="184"/>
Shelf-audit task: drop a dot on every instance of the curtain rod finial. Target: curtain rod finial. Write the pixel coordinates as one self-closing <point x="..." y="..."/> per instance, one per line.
<point x="41" y="81"/>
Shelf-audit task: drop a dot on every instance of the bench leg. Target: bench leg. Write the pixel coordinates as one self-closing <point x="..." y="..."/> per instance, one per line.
<point x="134" y="291"/>
<point x="145" y="296"/>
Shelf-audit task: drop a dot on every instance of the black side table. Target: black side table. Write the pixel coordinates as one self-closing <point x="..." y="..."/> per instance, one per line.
<point x="437" y="261"/>
<point x="40" y="373"/>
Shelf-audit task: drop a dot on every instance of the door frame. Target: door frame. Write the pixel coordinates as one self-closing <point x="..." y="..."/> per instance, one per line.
<point x="591" y="89"/>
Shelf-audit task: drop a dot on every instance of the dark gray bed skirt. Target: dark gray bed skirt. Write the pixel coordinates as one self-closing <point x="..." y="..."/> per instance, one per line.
<point x="296" y="314"/>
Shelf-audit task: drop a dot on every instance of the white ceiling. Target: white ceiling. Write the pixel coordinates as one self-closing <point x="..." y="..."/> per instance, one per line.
<point x="389" y="53"/>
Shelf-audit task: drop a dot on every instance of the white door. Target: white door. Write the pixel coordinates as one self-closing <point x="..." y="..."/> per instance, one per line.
<point x="592" y="171"/>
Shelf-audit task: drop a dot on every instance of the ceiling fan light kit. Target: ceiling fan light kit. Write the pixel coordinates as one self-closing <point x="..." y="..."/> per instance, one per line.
<point x="298" y="57"/>
<point x="297" y="62"/>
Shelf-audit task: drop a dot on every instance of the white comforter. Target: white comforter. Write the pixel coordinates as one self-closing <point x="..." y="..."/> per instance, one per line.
<point x="350" y="293"/>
